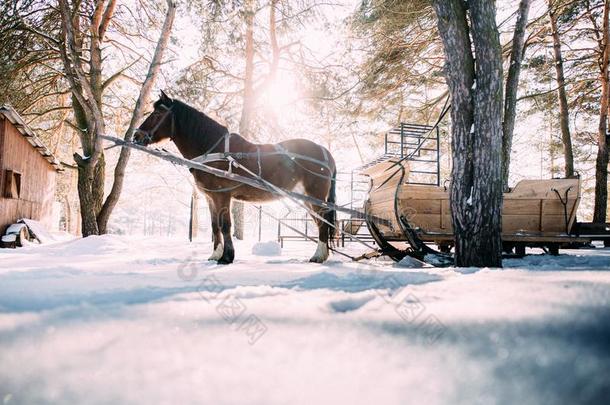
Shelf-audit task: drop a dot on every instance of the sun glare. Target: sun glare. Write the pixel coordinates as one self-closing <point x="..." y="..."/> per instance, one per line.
<point x="281" y="94"/>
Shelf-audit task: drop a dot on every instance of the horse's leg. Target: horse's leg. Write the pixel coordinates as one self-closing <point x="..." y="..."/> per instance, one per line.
<point x="321" y="253"/>
<point x="223" y="211"/>
<point x="322" y="189"/>
<point x="216" y="235"/>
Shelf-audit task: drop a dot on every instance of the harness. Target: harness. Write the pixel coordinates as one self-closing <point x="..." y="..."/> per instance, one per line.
<point x="232" y="157"/>
<point x="255" y="181"/>
<point x="148" y="135"/>
<point x="208" y="157"/>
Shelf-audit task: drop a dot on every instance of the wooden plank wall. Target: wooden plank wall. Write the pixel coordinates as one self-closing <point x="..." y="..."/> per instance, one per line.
<point x="37" y="179"/>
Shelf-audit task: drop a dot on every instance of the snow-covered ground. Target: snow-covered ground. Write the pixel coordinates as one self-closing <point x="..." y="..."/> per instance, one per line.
<point x="109" y="320"/>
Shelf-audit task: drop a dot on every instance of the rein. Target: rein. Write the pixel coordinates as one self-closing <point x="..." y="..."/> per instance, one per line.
<point x="253" y="181"/>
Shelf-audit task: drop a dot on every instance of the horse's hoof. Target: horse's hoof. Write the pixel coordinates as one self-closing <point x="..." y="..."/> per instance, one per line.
<point x="321" y="253"/>
<point x="217" y="254"/>
<point x="224" y="260"/>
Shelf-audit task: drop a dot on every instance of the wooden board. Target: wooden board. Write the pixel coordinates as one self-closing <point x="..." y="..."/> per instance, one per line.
<point x="513" y="238"/>
<point x="520" y="223"/>
<point x="384" y="168"/>
<point x="532" y="206"/>
<point x="37" y="191"/>
<point x="543" y="188"/>
<point x="521" y="207"/>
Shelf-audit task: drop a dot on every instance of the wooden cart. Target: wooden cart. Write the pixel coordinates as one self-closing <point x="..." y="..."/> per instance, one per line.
<point x="535" y="213"/>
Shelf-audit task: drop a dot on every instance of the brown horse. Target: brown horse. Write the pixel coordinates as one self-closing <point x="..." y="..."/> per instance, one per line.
<point x="288" y="164"/>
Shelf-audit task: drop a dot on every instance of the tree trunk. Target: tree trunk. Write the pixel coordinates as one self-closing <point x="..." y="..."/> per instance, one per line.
<point x="512" y="84"/>
<point x="476" y="186"/>
<point x="245" y="123"/>
<point x="87" y="87"/>
<point x="90" y="180"/>
<point x="601" y="164"/>
<point x="248" y="100"/>
<point x="143" y="99"/>
<point x="97" y="187"/>
<point x="564" y="116"/>
<point x="86" y="197"/>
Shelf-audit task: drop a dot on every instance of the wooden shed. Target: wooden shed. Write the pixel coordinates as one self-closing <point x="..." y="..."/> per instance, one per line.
<point x="27" y="173"/>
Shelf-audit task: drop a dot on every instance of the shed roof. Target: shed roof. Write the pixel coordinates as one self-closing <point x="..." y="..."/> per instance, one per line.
<point x="18" y="122"/>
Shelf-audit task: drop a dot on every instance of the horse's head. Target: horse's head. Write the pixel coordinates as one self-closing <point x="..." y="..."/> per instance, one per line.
<point x="159" y="124"/>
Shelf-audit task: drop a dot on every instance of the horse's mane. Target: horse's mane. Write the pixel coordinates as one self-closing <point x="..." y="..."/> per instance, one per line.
<point x="195" y="125"/>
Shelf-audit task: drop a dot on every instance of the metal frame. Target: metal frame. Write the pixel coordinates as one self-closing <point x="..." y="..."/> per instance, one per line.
<point x="418" y="144"/>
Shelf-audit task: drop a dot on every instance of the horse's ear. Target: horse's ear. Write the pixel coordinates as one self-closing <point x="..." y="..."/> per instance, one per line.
<point x="165" y="98"/>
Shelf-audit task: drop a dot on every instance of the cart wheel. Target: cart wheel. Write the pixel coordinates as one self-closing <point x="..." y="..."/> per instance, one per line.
<point x="445" y="247"/>
<point x="554" y="249"/>
<point x="24" y="235"/>
<point x="520" y="249"/>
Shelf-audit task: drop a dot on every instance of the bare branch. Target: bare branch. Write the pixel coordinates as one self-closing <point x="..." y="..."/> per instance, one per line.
<point x="145" y="90"/>
<point x="118" y="74"/>
<point x="107" y="17"/>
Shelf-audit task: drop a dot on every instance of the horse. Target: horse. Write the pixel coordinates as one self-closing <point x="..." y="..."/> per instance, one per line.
<point x="287" y="165"/>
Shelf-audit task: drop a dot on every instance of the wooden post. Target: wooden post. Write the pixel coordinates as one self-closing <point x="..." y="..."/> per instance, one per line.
<point x="260" y="220"/>
<point x="238" y="214"/>
<point x="194" y="216"/>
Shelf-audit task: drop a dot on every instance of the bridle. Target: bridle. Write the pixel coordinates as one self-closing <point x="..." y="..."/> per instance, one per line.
<point x="148" y="135"/>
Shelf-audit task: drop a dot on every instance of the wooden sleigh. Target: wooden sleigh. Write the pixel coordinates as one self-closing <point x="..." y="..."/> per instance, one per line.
<point x="535" y="213"/>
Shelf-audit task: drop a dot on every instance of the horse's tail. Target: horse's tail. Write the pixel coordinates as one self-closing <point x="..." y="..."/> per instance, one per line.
<point x="330" y="215"/>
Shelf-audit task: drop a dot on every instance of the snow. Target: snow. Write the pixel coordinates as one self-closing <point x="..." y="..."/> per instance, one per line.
<point x="14" y="229"/>
<point x="469" y="201"/>
<point x="114" y="319"/>
<point x="409" y="261"/>
<point x="38" y="230"/>
<point x="270" y="248"/>
<point x="9" y="238"/>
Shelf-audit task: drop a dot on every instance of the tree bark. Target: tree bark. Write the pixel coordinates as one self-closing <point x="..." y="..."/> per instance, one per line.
<point x="476" y="186"/>
<point x="90" y="180"/>
<point x="85" y="197"/>
<point x="564" y="116"/>
<point x="488" y="134"/>
<point x="512" y="85"/>
<point x="601" y="163"/>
